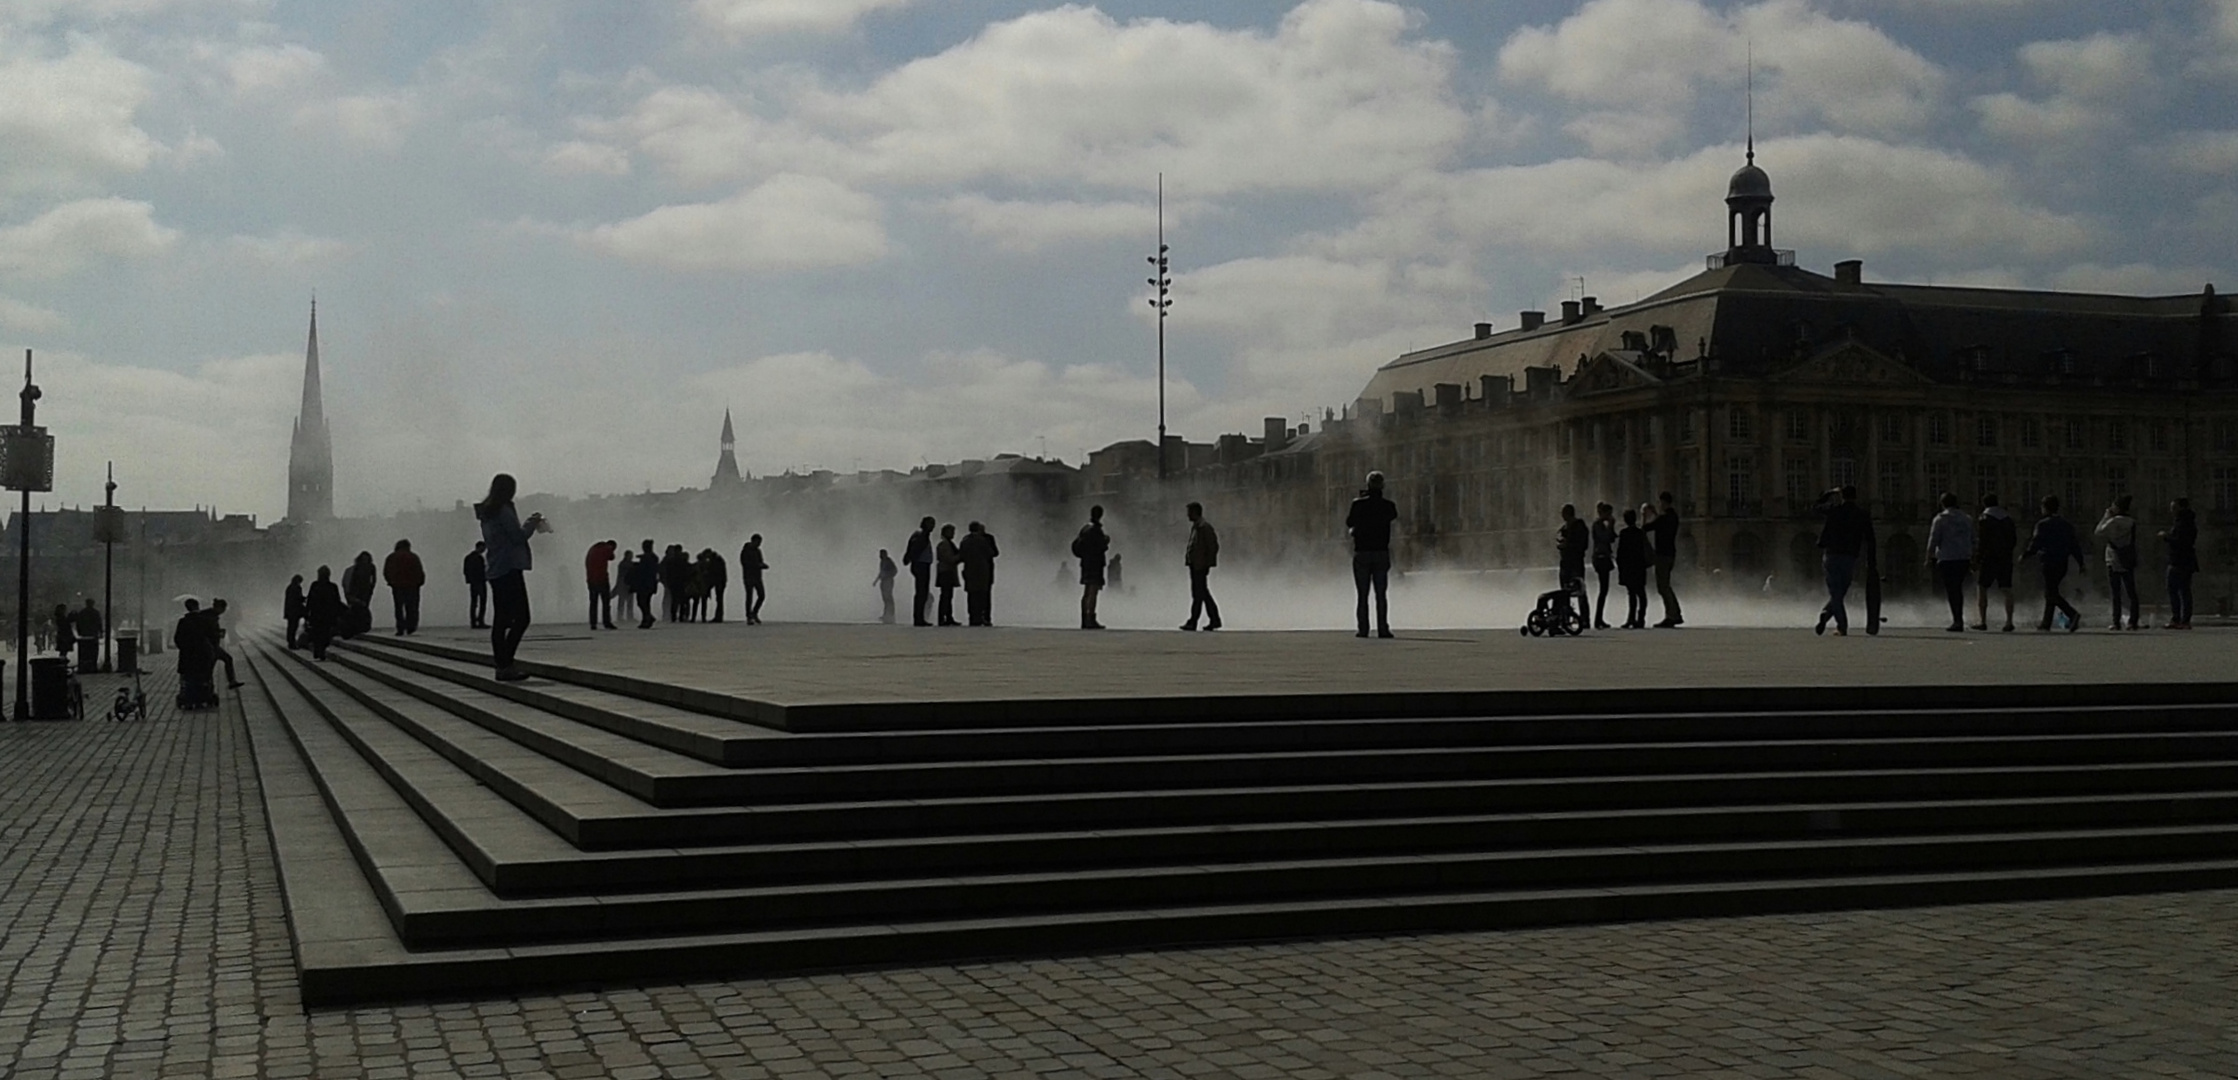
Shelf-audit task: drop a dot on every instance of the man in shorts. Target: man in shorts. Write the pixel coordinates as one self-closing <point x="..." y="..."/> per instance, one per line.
<point x="1996" y="536"/>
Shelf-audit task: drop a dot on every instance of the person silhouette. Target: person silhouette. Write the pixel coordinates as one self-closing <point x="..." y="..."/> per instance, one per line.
<point x="919" y="555"/>
<point x="1091" y="547"/>
<point x="509" y="563"/>
<point x="1369" y="523"/>
<point x="477" y="571"/>
<point x="946" y="560"/>
<point x="977" y="553"/>
<point x="750" y="567"/>
<point x="884" y="583"/>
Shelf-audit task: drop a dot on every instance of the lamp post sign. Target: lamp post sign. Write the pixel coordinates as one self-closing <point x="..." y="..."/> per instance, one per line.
<point x="108" y="531"/>
<point x="26" y="465"/>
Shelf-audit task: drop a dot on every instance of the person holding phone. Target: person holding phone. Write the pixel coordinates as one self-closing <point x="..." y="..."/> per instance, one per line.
<point x="509" y="562"/>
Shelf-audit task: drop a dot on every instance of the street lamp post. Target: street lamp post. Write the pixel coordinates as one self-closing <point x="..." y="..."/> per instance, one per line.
<point x="26" y="465"/>
<point x="111" y="521"/>
<point x="1161" y="303"/>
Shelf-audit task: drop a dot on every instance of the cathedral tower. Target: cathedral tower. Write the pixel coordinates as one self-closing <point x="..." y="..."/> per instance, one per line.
<point x="311" y="455"/>
<point x="726" y="466"/>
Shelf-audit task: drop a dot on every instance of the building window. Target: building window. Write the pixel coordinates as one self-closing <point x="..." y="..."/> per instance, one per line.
<point x="1562" y="435"/>
<point x="1592" y="437"/>
<point x="1684" y="496"/>
<point x="1616" y="436"/>
<point x="1938" y="479"/>
<point x="1798" y="426"/>
<point x="2031" y="433"/>
<point x="1938" y="429"/>
<point x="1738" y="426"/>
<point x="2226" y="436"/>
<point x="2031" y="492"/>
<point x="2226" y="489"/>
<point x="2164" y="485"/>
<point x="1985" y="431"/>
<point x="1844" y="472"/>
<point x="1985" y="482"/>
<point x="1799" y="479"/>
<point x="1686" y="427"/>
<point x="2117" y="483"/>
<point x="2078" y="431"/>
<point x="1892" y="428"/>
<point x="2117" y="435"/>
<point x="2160" y="437"/>
<point x="1740" y="484"/>
<point x="1648" y="424"/>
<point x="1896" y="485"/>
<point x="2071" y="489"/>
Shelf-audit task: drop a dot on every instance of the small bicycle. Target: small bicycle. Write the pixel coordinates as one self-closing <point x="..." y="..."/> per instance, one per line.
<point x="131" y="702"/>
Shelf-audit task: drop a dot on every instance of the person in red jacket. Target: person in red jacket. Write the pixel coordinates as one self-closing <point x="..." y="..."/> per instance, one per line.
<point x="599" y="582"/>
<point x="405" y="576"/>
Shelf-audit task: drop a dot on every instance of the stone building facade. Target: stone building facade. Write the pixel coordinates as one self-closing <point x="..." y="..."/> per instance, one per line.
<point x="1748" y="390"/>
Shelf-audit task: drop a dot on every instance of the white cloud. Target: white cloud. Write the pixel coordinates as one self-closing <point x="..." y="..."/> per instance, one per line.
<point x="1637" y="65"/>
<point x="29" y="318"/>
<point x="1837" y="193"/>
<point x="787" y="222"/>
<point x="777" y="16"/>
<point x="66" y="119"/>
<point x="578" y="158"/>
<point x="2211" y="152"/>
<point x="1026" y="226"/>
<point x="2093" y="82"/>
<point x="265" y="69"/>
<point x="374" y="121"/>
<point x="286" y="248"/>
<point x="64" y="239"/>
<point x="1339" y="96"/>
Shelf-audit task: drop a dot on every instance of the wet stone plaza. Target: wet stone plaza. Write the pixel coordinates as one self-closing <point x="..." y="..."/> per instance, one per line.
<point x="147" y="927"/>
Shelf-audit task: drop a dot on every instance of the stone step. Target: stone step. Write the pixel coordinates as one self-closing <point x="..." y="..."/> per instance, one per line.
<point x="935" y="715"/>
<point x="669" y="779"/>
<point x="514" y="856"/>
<point x="595" y="816"/>
<point x="739" y="744"/>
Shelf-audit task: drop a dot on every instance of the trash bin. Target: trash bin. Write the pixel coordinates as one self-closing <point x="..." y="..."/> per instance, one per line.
<point x="128" y="653"/>
<point x="50" y="688"/>
<point x="151" y="639"/>
<point x="89" y="656"/>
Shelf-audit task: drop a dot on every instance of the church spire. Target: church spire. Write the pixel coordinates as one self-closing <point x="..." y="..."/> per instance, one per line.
<point x="726" y="466"/>
<point x="311" y="454"/>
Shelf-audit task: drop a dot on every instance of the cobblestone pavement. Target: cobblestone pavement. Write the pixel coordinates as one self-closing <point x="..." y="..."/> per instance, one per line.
<point x="144" y="937"/>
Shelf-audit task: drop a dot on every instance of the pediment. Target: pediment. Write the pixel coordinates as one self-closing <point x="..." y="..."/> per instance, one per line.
<point x="1610" y="372"/>
<point x="1852" y="362"/>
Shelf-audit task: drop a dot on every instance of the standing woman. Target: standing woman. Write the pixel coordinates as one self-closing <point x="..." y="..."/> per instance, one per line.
<point x="2183" y="561"/>
<point x="509" y="562"/>
<point x="1604" y="559"/>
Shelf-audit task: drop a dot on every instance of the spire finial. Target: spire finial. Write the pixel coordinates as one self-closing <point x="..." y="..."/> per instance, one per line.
<point x="1751" y="101"/>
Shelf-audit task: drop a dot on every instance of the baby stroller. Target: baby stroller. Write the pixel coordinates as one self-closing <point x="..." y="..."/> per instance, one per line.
<point x="1559" y="612"/>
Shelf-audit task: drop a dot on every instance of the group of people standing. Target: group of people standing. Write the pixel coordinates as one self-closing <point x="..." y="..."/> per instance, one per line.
<point x="945" y="564"/>
<point x="1647" y="540"/>
<point x="691" y="588"/>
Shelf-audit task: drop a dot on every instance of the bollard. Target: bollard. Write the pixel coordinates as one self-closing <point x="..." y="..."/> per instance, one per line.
<point x="128" y="653"/>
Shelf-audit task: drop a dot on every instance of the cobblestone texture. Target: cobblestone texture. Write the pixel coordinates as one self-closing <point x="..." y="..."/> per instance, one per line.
<point x="144" y="937"/>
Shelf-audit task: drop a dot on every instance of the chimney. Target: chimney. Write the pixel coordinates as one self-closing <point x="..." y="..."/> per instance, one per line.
<point x="1849" y="272"/>
<point x="1449" y="395"/>
<point x="1592" y="305"/>
<point x="1532" y="320"/>
<point x="1496" y="388"/>
<point x="1570" y="313"/>
<point x="1277" y="432"/>
<point x="1483" y="330"/>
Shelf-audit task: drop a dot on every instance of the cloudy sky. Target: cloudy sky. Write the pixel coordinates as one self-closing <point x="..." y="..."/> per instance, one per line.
<point x="560" y="236"/>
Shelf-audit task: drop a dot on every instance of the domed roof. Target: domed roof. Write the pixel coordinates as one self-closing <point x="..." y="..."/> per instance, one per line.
<point x="1749" y="183"/>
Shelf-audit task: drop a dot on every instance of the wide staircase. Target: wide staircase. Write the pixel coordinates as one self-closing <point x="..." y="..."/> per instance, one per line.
<point x="483" y="836"/>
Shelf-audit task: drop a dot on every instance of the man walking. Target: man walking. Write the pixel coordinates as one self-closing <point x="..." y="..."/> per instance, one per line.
<point x="1201" y="556"/>
<point x="1369" y="524"/>
<point x="2054" y="545"/>
<point x="291" y="609"/>
<point x="1664" y="530"/>
<point x="1842" y="537"/>
<point x="598" y="581"/>
<point x="750" y="567"/>
<point x="405" y="575"/>
<point x="476" y="570"/>
<point x="213" y="624"/>
<point x="1995" y="540"/>
<point x="645" y="580"/>
<point x="1950" y="550"/>
<point x="1090" y="548"/>
<point x="919" y="555"/>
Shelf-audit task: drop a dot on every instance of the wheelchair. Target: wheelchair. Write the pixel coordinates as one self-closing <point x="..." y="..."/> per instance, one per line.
<point x="1560" y="612"/>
